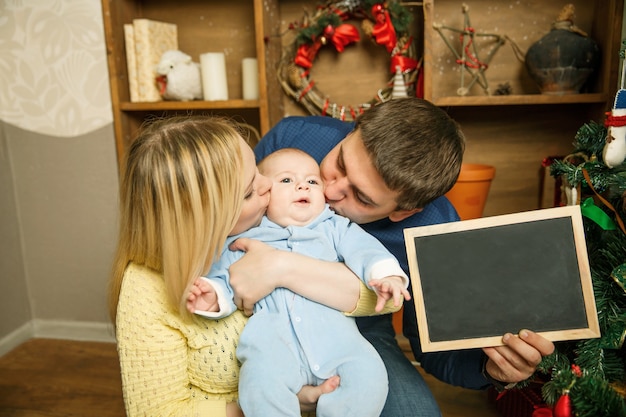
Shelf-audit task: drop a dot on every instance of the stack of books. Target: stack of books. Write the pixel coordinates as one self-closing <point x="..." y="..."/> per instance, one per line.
<point x="146" y="40"/>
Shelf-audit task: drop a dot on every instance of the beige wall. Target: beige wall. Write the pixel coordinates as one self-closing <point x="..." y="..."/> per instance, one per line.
<point x="14" y="303"/>
<point x="58" y="173"/>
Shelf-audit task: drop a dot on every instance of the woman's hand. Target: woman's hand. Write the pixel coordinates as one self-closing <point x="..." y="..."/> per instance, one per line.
<point x="262" y="269"/>
<point x="253" y="276"/>
<point x="517" y="360"/>
<point x="309" y="394"/>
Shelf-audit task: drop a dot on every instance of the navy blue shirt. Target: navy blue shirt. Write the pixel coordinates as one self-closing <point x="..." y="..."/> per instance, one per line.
<point x="317" y="136"/>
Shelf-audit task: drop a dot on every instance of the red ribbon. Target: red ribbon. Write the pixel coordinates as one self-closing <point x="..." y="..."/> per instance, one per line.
<point x="325" y="107"/>
<point x="383" y="30"/>
<point x="404" y="62"/>
<point x="340" y="37"/>
<point x="306" y="54"/>
<point x="306" y="90"/>
<point x="473" y="62"/>
<point x="343" y="15"/>
<point x="542" y="411"/>
<point x="419" y="87"/>
<point x="615" y="121"/>
<point x="344" y="35"/>
<point x="399" y="60"/>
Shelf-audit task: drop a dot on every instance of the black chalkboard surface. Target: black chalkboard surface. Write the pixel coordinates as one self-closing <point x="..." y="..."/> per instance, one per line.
<point x="475" y="280"/>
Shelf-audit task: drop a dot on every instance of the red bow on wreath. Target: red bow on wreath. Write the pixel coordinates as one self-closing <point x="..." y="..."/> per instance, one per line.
<point x="328" y="26"/>
<point x="385" y="35"/>
<point x="342" y="35"/>
<point x="306" y="54"/>
<point x="383" y="30"/>
<point x="404" y="62"/>
<point x="339" y="36"/>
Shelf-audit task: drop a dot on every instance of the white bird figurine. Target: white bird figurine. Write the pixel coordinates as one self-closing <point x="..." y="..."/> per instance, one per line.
<point x="178" y="77"/>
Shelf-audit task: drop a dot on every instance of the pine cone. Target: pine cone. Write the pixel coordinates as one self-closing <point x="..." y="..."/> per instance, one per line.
<point x="367" y="26"/>
<point x="293" y="76"/>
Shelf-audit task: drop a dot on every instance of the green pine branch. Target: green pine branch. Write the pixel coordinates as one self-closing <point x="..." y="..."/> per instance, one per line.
<point x="599" y="362"/>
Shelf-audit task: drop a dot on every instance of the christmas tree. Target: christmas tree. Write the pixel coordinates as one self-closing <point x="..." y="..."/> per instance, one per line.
<point x="587" y="378"/>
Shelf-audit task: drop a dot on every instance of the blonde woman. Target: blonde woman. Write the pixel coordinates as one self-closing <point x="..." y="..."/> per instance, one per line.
<point x="187" y="184"/>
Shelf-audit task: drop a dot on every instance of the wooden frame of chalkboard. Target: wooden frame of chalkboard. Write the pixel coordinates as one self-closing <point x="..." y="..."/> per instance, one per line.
<point x="475" y="280"/>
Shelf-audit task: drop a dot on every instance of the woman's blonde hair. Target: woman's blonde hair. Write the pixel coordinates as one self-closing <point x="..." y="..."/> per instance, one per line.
<point x="181" y="193"/>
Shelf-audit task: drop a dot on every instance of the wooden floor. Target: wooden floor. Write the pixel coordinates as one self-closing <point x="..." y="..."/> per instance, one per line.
<point x="60" y="378"/>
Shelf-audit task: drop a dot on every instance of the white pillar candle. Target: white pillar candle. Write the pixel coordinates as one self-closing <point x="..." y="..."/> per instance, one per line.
<point x="250" y="78"/>
<point x="214" y="84"/>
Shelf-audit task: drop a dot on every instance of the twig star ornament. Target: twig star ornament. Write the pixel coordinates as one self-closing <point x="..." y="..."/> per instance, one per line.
<point x="468" y="57"/>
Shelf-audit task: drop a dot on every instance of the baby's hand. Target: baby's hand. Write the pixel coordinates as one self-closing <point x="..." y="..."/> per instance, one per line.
<point x="202" y="297"/>
<point x="387" y="288"/>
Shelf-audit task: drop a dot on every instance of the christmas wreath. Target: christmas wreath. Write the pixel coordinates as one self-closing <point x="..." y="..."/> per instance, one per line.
<point x="387" y="23"/>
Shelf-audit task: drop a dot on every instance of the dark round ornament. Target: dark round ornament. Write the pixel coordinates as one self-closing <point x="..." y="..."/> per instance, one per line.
<point x="562" y="61"/>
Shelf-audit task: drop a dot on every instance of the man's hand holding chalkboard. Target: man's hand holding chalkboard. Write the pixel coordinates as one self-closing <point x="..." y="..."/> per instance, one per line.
<point x="517" y="359"/>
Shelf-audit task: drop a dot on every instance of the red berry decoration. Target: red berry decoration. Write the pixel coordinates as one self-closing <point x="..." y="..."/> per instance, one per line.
<point x="329" y="31"/>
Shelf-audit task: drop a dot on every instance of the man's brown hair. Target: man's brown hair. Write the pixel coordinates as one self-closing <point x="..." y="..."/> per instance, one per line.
<point x="415" y="146"/>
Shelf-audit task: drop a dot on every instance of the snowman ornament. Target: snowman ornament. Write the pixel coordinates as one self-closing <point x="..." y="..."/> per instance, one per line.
<point x="614" y="152"/>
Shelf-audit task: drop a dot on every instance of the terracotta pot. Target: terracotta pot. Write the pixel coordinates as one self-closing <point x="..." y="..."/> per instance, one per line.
<point x="469" y="194"/>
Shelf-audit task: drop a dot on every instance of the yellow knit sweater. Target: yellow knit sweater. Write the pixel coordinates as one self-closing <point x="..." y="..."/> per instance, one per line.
<point x="175" y="368"/>
<point x="171" y="367"/>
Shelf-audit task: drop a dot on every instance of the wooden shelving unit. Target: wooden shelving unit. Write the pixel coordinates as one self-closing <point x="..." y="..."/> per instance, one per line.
<point x="520" y="24"/>
<point x="511" y="132"/>
<point x="516" y="132"/>
<point x="236" y="28"/>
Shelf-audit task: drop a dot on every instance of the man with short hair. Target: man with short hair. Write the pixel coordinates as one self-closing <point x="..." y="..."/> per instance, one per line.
<point x="389" y="171"/>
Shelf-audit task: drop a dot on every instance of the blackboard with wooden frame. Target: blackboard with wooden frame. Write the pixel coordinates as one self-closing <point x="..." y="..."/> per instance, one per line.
<point x="475" y="280"/>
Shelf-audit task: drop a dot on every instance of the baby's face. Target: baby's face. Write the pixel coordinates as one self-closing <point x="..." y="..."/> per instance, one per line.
<point x="297" y="194"/>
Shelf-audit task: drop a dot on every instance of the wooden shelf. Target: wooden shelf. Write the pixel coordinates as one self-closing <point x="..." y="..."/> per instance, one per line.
<point x="521" y="24"/>
<point x="526" y="99"/>
<point x="190" y="105"/>
<point x="238" y="28"/>
<point x="511" y="132"/>
<point x="498" y="131"/>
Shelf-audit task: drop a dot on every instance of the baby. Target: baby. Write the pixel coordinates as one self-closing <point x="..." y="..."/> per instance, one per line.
<point x="291" y="341"/>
